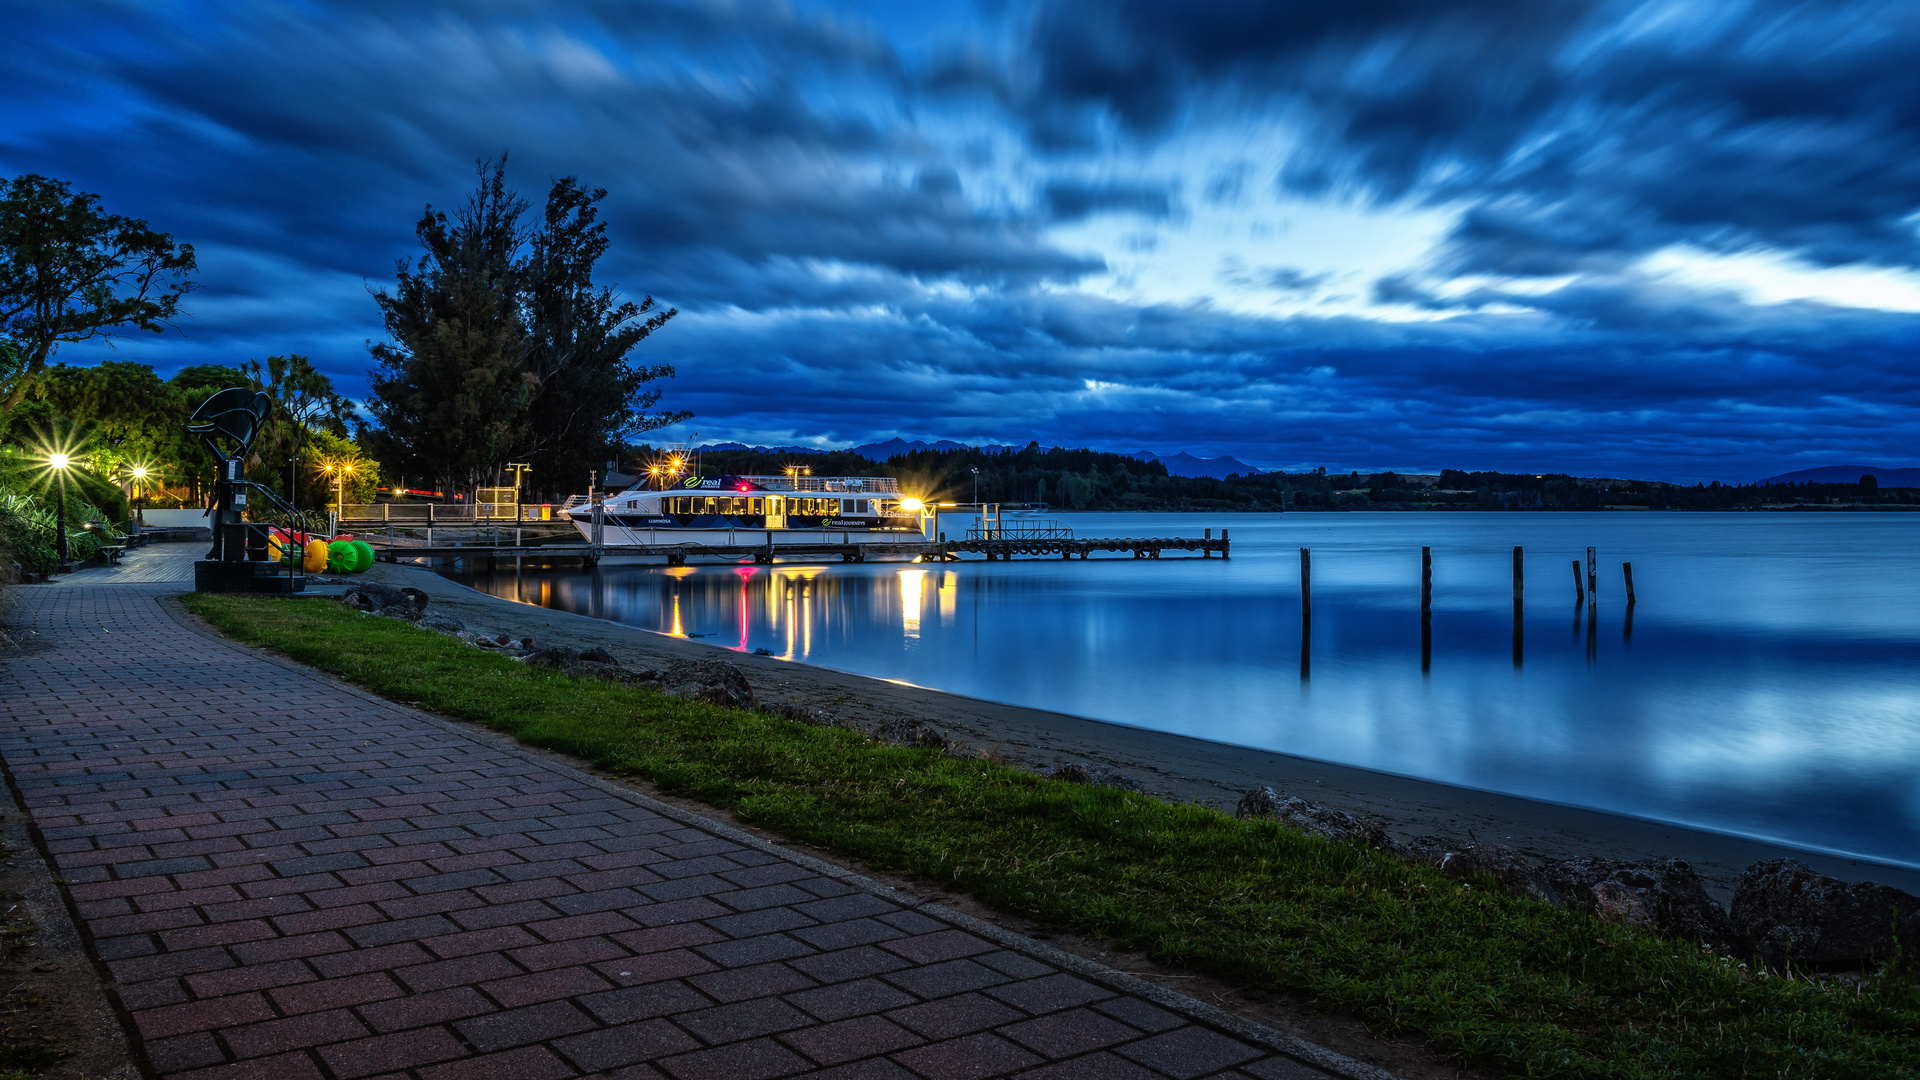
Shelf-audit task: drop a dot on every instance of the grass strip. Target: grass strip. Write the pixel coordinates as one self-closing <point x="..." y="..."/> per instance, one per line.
<point x="1482" y="977"/>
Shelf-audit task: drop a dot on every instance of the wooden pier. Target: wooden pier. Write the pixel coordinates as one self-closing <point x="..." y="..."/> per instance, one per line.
<point x="393" y="550"/>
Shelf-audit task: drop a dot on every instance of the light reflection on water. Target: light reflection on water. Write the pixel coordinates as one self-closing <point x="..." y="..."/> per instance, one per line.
<point x="1765" y="684"/>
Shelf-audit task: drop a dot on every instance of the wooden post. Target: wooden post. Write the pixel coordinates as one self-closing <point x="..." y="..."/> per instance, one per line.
<point x="1593" y="578"/>
<point x="1306" y="583"/>
<point x="1627" y="568"/>
<point x="1226" y="548"/>
<point x="1579" y="593"/>
<point x="1426" y="609"/>
<point x="1306" y="613"/>
<point x="1519" y="608"/>
<point x="1426" y="582"/>
<point x="1206" y="548"/>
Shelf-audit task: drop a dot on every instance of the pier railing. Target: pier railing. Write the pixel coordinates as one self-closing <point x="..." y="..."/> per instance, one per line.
<point x="422" y="514"/>
<point x="1020" y="530"/>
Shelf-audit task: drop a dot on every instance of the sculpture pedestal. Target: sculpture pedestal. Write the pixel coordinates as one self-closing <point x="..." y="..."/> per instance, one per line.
<point x="246" y="577"/>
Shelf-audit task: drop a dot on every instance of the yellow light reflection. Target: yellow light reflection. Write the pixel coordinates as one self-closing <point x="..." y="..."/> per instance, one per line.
<point x="949" y="591"/>
<point x="678" y="629"/>
<point x="912" y="586"/>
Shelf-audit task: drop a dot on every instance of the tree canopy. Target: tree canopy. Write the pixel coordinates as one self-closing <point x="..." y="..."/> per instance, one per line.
<point x="70" y="271"/>
<point x="502" y="346"/>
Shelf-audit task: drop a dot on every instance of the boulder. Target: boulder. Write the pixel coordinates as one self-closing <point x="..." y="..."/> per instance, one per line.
<point x="554" y="656"/>
<point x="1790" y="914"/>
<point x="1664" y="895"/>
<point x="1514" y="871"/>
<point x="1323" y="821"/>
<point x="440" y="622"/>
<point x="597" y="655"/>
<point x="371" y="596"/>
<point x="715" y="682"/>
<point x="903" y="732"/>
<point x="802" y="714"/>
<point x="1078" y="772"/>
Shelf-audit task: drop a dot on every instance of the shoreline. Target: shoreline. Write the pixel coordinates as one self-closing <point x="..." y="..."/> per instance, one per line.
<point x="1169" y="766"/>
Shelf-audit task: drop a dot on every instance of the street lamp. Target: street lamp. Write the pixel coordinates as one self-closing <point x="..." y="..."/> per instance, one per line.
<point x="59" y="463"/>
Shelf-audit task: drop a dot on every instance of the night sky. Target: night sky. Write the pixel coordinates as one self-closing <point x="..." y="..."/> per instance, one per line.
<point x="1663" y="240"/>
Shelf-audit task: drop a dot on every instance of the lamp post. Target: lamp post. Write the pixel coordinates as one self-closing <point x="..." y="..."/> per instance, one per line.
<point x="59" y="463"/>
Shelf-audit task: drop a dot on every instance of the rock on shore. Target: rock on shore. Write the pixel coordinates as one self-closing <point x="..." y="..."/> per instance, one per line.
<point x="1791" y="914"/>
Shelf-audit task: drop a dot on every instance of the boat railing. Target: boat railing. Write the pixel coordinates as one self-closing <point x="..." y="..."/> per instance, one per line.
<point x="415" y="514"/>
<point x="851" y="485"/>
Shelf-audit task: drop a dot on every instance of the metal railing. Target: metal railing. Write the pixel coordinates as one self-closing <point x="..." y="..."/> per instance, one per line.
<point x="417" y="514"/>
<point x="1023" y="530"/>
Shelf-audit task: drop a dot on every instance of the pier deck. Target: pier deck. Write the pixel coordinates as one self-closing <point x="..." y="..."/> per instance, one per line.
<point x="395" y="549"/>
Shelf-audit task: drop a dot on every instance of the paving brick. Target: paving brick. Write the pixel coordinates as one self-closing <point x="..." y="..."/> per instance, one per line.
<point x="518" y="1027"/>
<point x="841" y="935"/>
<point x="854" y="963"/>
<point x="1188" y="1052"/>
<point x="611" y="1048"/>
<point x="970" y="1058"/>
<point x="252" y="977"/>
<point x="1015" y="965"/>
<point x="209" y="1015"/>
<point x="183" y="1052"/>
<point x="754" y="923"/>
<point x="1049" y="993"/>
<point x="743" y="1020"/>
<point x="1100" y="1066"/>
<point x="850" y="999"/>
<point x="953" y="1016"/>
<point x="335" y="993"/>
<point x="294" y="1033"/>
<point x="944" y="945"/>
<point x="644" y="1002"/>
<point x="761" y="1059"/>
<point x="756" y="950"/>
<point x="421" y="978"/>
<point x="391" y="1053"/>
<point x="940" y="980"/>
<point x="491" y="939"/>
<point x="1140" y="1014"/>
<point x="282" y="1067"/>
<point x="1065" y="1034"/>
<point x="848" y="1040"/>
<point x="418" y="1010"/>
<point x="529" y="1063"/>
<point x="1281" y="1068"/>
<point x="545" y="986"/>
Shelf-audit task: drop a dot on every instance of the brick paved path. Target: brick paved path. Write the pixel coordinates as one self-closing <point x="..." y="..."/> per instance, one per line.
<point x="288" y="878"/>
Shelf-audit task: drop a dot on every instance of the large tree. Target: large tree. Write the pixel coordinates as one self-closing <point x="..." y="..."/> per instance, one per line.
<point x="69" y="271"/>
<point x="592" y="398"/>
<point x="450" y="394"/>
<point x="503" y="347"/>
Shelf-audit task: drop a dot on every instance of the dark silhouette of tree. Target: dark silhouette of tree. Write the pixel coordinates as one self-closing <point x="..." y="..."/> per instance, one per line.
<point x="496" y="355"/>
<point x="451" y="393"/>
<point x="69" y="271"/>
<point x="592" y="399"/>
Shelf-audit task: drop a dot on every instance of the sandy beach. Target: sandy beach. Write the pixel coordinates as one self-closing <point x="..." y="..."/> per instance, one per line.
<point x="1165" y="765"/>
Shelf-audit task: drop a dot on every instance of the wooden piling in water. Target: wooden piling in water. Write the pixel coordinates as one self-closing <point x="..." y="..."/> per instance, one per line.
<point x="1627" y="569"/>
<point x="1593" y="578"/>
<point x="1426" y="581"/>
<point x="1519" y="607"/>
<point x="1519" y="578"/>
<point x="1579" y="593"/>
<point x="1306" y="583"/>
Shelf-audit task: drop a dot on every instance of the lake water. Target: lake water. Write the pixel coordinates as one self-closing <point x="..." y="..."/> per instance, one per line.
<point x="1766" y="683"/>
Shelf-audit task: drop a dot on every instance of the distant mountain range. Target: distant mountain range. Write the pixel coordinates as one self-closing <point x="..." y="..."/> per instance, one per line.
<point x="1849" y="474"/>
<point x="1185" y="464"/>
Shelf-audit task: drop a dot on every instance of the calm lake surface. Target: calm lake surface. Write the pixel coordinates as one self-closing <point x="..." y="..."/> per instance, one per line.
<point x="1766" y="684"/>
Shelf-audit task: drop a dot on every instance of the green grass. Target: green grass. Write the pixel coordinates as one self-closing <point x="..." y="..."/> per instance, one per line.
<point x="1477" y="975"/>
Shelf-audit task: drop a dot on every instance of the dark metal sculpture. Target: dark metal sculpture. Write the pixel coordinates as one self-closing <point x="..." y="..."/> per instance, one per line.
<point x="227" y="424"/>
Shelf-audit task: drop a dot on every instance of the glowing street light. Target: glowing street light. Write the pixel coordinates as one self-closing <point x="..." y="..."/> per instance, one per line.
<point x="59" y="462"/>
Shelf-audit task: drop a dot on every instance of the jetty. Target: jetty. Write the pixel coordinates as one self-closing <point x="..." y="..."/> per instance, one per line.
<point x="395" y="549"/>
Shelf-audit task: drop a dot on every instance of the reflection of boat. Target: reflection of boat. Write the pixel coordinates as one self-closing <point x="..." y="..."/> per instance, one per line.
<point x="751" y="511"/>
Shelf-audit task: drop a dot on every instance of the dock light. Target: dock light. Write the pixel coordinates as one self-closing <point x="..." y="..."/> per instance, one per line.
<point x="912" y="506"/>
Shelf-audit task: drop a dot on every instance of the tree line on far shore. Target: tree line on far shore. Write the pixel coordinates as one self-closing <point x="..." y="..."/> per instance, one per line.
<point x="1094" y="480"/>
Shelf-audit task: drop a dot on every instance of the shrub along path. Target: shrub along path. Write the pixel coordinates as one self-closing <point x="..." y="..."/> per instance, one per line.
<point x="287" y="877"/>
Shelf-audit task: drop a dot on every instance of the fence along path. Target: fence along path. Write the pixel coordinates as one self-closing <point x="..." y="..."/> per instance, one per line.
<point x="289" y="878"/>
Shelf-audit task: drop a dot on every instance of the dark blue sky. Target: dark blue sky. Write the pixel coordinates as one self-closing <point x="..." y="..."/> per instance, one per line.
<point x="1673" y="240"/>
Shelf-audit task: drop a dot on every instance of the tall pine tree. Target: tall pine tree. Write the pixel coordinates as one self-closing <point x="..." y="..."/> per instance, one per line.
<point x="499" y="355"/>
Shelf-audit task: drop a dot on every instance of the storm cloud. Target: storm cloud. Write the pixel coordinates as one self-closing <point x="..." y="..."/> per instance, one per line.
<point x="1663" y="239"/>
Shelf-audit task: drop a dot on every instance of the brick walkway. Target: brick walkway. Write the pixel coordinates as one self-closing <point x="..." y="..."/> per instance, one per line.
<point x="290" y="879"/>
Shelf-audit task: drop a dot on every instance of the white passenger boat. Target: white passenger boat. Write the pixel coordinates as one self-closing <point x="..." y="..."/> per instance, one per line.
<point x="753" y="511"/>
